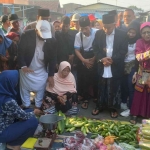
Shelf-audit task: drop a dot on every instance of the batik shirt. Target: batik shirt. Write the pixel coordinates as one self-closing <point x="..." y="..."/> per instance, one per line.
<point x="10" y="112"/>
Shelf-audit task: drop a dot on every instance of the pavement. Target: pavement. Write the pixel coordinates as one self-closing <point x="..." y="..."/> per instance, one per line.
<point x="102" y="115"/>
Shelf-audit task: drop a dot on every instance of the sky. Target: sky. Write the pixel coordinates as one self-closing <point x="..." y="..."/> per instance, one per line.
<point x="144" y="4"/>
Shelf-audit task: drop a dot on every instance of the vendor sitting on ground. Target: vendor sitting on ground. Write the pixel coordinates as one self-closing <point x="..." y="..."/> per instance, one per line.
<point x="16" y="125"/>
<point x="63" y="96"/>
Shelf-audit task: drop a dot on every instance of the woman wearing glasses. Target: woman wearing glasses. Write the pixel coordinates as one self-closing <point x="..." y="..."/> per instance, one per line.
<point x="141" y="100"/>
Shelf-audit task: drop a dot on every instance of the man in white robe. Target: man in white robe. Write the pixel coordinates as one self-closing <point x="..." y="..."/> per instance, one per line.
<point x="33" y="72"/>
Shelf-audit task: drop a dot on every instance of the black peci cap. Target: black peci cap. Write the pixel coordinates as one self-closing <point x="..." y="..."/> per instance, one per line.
<point x="3" y="18"/>
<point x="13" y="17"/>
<point x="65" y="20"/>
<point x="43" y="12"/>
<point x="108" y="19"/>
<point x="84" y="21"/>
<point x="113" y="12"/>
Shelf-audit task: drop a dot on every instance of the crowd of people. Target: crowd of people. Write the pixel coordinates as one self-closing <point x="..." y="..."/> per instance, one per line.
<point x="69" y="61"/>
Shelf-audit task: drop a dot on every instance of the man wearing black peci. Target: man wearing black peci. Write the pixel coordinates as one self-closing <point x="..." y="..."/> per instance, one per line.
<point x="110" y="47"/>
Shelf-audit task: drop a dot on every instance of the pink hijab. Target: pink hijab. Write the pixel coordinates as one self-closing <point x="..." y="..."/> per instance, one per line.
<point x="145" y="24"/>
<point x="63" y="85"/>
<point x="143" y="46"/>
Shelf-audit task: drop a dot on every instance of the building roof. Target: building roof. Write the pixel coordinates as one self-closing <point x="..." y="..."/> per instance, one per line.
<point x="103" y="4"/>
<point x="95" y="11"/>
<point x="147" y="11"/>
<point x="72" y="4"/>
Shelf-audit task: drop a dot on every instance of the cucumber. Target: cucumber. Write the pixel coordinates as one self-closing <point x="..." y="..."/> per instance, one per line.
<point x="59" y="126"/>
<point x="146" y="137"/>
<point x="94" y="136"/>
<point x="69" y="126"/>
<point x="72" y="129"/>
<point x="146" y="132"/>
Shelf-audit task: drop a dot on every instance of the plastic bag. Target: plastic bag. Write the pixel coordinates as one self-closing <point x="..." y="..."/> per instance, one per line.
<point x="38" y="130"/>
<point x="99" y="139"/>
<point x="87" y="145"/>
<point x="125" y="146"/>
<point x="144" y="121"/>
<point x="79" y="137"/>
<point x="70" y="143"/>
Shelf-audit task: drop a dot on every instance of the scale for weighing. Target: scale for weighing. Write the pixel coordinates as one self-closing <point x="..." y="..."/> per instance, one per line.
<point x="49" y="123"/>
<point x="43" y="144"/>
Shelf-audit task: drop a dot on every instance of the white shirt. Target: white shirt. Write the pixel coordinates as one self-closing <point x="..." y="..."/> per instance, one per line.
<point x="109" y="47"/>
<point x="37" y="80"/>
<point x="87" y="41"/>
<point x="131" y="53"/>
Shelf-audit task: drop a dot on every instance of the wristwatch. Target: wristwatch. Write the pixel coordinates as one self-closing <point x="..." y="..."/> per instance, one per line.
<point x="100" y="60"/>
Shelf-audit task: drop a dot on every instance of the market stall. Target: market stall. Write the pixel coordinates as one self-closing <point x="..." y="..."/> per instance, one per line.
<point x="90" y="134"/>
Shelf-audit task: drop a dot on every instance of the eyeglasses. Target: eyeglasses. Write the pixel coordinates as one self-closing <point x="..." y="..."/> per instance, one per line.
<point x="146" y="32"/>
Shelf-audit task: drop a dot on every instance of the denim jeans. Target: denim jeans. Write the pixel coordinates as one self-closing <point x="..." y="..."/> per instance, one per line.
<point x="127" y="88"/>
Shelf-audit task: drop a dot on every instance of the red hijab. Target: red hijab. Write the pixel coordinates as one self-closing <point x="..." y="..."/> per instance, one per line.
<point x="12" y="35"/>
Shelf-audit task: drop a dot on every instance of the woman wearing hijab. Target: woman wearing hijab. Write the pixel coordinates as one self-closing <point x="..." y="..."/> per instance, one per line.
<point x="98" y="24"/>
<point x="13" y="50"/>
<point x="63" y="96"/>
<point x="16" y="126"/>
<point x="141" y="99"/>
<point x="5" y="43"/>
<point x="127" y="87"/>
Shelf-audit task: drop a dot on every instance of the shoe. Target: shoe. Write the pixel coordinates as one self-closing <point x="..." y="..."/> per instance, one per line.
<point x="124" y="106"/>
<point x="125" y="113"/>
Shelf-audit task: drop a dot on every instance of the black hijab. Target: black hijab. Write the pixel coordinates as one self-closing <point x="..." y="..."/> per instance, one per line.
<point x="136" y="26"/>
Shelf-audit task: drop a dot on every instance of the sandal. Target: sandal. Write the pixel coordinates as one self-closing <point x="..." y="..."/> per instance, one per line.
<point x="114" y="114"/>
<point x="96" y="111"/>
<point x="133" y="120"/>
<point x="85" y="104"/>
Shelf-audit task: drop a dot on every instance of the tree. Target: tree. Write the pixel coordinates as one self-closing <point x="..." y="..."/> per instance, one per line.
<point x="135" y="8"/>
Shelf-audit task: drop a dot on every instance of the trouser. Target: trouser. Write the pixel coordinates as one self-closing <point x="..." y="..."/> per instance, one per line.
<point x="109" y="93"/>
<point x="87" y="78"/>
<point x="127" y="88"/>
<point x="17" y="133"/>
<point x="25" y="96"/>
<point x="74" y="72"/>
<point x="18" y="97"/>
